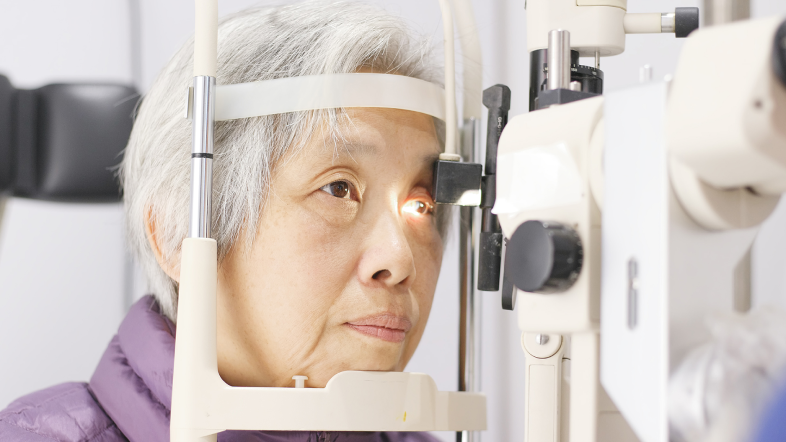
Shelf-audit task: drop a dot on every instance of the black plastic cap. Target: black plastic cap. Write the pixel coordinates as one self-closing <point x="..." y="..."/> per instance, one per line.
<point x="686" y="20"/>
<point x="779" y="54"/>
<point x="457" y="183"/>
<point x="497" y="97"/>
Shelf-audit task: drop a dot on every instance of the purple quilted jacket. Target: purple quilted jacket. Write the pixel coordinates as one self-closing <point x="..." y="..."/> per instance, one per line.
<point x="129" y="396"/>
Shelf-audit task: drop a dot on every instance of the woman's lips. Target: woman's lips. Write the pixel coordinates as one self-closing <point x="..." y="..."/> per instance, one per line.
<point x="389" y="328"/>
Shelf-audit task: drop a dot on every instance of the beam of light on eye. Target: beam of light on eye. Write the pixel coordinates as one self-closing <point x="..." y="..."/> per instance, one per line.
<point x="416" y="207"/>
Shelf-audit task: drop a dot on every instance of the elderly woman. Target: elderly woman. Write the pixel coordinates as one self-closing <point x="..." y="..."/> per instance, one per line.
<point x="329" y="241"/>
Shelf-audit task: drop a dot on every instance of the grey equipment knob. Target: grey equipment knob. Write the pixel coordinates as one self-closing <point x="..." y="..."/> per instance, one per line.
<point x="544" y="257"/>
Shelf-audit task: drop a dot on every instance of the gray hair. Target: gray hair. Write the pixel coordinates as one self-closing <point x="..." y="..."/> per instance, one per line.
<point x="310" y="38"/>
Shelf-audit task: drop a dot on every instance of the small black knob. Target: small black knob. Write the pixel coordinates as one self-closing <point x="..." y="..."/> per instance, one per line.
<point x="686" y="20"/>
<point x="544" y="257"/>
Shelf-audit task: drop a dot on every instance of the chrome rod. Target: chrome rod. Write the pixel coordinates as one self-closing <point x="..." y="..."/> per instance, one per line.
<point x="203" y="120"/>
<point x="718" y="12"/>
<point x="558" y="60"/>
<point x="668" y="23"/>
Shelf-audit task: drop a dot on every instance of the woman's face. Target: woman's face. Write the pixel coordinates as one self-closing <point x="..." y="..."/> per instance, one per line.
<point x="342" y="273"/>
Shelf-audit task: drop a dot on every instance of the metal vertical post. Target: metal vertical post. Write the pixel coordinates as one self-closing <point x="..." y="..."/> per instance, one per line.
<point x="470" y="141"/>
<point x="718" y="12"/>
<point x="558" y="60"/>
<point x="202" y="156"/>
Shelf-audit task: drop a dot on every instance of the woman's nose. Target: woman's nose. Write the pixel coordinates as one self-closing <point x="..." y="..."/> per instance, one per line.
<point x="388" y="258"/>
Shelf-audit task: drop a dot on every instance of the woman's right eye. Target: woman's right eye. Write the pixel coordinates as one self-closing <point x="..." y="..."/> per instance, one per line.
<point x="339" y="189"/>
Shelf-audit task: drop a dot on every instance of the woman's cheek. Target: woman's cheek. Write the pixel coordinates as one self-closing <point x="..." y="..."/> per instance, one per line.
<point x="429" y="241"/>
<point x="427" y="250"/>
<point x="423" y="228"/>
<point x="331" y="212"/>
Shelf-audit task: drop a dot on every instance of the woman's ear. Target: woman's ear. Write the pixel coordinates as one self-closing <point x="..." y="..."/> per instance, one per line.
<point x="152" y="238"/>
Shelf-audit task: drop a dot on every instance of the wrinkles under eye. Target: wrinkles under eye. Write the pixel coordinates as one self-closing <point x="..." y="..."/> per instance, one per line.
<point x="338" y="189"/>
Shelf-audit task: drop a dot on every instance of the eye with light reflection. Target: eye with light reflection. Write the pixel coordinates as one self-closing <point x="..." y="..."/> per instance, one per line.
<point x="418" y="207"/>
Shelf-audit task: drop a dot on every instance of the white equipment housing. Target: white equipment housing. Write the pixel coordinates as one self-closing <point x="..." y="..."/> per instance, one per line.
<point x="656" y="180"/>
<point x="596" y="26"/>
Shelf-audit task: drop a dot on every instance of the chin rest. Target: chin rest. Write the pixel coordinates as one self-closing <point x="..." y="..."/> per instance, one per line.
<point x="63" y="142"/>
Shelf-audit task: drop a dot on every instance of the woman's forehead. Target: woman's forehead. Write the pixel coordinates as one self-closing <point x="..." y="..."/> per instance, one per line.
<point x="368" y="136"/>
<point x="400" y="117"/>
<point x="369" y="131"/>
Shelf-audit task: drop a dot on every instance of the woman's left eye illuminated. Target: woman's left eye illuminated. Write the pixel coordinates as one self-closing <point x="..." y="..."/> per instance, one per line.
<point x="418" y="207"/>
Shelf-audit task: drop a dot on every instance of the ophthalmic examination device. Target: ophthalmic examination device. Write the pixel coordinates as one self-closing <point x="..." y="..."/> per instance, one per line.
<point x="612" y="223"/>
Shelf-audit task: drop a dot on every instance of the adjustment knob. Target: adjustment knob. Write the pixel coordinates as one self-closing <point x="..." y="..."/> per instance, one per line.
<point x="686" y="20"/>
<point x="543" y="257"/>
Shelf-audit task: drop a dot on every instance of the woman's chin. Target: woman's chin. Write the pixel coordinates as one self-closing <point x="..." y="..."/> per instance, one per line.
<point x="360" y="363"/>
<point x="365" y="359"/>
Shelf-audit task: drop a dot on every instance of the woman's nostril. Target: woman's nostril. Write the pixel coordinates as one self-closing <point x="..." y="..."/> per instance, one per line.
<point x="382" y="275"/>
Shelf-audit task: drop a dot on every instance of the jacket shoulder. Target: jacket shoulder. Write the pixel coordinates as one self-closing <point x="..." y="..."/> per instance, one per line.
<point x="66" y="412"/>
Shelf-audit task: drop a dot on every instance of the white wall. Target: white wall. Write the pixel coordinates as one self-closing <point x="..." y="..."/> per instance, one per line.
<point x="62" y="267"/>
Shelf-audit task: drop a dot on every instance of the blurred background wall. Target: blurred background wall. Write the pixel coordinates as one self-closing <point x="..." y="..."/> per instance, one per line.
<point x="66" y="280"/>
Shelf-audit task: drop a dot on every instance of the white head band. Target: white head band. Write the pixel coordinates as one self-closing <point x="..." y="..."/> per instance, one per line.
<point x="313" y="92"/>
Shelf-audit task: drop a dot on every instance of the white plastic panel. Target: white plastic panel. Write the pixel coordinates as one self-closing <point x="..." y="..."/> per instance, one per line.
<point x="542" y="174"/>
<point x="634" y="362"/>
<point x="62" y="287"/>
<point x="683" y="273"/>
<point x="539" y="177"/>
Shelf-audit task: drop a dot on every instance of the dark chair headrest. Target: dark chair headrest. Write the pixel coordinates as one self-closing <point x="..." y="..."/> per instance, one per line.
<point x="62" y="142"/>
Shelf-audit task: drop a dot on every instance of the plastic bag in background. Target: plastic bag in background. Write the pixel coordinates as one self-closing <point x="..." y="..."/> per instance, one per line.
<point x="720" y="389"/>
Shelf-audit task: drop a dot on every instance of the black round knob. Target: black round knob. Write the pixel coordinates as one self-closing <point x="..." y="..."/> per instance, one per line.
<point x="543" y="257"/>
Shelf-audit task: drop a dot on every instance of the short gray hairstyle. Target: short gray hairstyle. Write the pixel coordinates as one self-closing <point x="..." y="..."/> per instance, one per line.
<point x="310" y="38"/>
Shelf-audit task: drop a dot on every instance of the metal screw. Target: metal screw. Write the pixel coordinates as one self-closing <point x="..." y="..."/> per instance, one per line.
<point x="542" y="339"/>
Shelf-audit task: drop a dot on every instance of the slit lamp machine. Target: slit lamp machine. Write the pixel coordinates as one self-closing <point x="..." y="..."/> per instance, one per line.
<point x="613" y="224"/>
